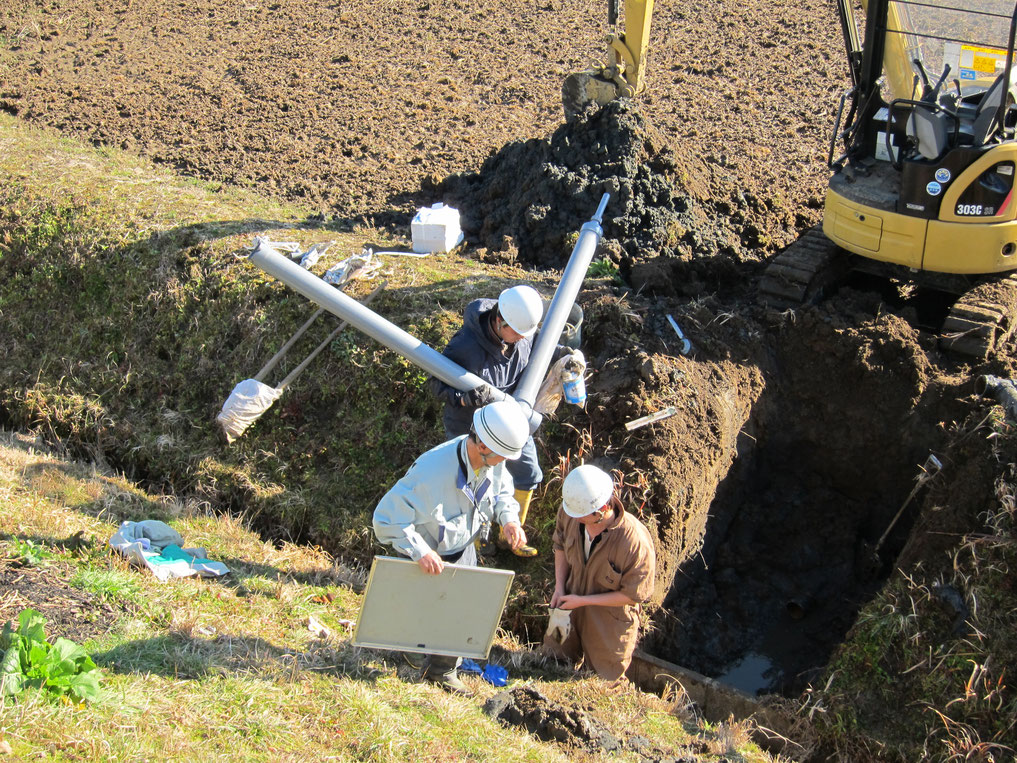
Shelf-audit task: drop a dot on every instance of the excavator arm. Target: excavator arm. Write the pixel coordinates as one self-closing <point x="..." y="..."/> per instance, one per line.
<point x="623" y="73"/>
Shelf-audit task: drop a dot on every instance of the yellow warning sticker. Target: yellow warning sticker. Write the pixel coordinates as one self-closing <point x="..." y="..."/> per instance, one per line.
<point x="984" y="61"/>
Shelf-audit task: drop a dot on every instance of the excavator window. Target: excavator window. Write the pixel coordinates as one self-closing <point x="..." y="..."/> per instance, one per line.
<point x="963" y="43"/>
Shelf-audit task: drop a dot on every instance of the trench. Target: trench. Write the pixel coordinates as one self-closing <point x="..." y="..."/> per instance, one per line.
<point x="823" y="465"/>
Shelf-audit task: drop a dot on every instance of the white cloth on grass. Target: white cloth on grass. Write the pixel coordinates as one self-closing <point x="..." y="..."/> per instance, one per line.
<point x="157" y="547"/>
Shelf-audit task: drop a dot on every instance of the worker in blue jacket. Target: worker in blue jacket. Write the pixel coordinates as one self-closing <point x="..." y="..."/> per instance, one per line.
<point x="494" y="343"/>
<point x="435" y="511"/>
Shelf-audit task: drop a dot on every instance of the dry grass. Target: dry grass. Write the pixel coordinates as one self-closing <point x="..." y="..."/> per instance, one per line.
<point x="230" y="669"/>
<point x="128" y="312"/>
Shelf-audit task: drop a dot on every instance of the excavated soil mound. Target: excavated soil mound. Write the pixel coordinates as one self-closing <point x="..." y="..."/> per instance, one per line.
<point x="530" y="198"/>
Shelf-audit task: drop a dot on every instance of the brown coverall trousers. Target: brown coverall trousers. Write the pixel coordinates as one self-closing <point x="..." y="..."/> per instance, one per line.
<point x="623" y="560"/>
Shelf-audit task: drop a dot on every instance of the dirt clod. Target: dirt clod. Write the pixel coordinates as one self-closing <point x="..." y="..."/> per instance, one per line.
<point x="551" y="721"/>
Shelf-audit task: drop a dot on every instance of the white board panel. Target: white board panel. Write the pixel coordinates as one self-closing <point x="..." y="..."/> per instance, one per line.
<point x="455" y="613"/>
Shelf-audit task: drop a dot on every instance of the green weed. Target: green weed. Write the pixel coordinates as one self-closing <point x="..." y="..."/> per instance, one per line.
<point x="31" y="662"/>
<point x="110" y="586"/>
<point x="603" y="268"/>
<point x="28" y="553"/>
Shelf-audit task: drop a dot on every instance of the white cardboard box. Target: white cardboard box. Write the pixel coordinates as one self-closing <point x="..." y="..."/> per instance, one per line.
<point x="436" y="229"/>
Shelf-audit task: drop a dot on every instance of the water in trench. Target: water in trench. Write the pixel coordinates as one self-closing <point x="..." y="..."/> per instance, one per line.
<point x="788" y="559"/>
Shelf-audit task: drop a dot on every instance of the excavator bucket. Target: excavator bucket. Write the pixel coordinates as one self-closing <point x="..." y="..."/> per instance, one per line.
<point x="585" y="88"/>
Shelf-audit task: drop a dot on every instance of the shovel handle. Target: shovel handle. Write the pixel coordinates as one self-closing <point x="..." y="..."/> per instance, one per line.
<point x="927" y="474"/>
<point x="260" y="376"/>
<point x="314" y="353"/>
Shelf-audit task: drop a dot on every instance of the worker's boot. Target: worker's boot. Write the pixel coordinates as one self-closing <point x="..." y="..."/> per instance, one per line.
<point x="523" y="498"/>
<point x="443" y="672"/>
<point x="450" y="682"/>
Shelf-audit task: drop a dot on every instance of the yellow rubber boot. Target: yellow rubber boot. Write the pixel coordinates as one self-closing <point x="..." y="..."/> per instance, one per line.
<point x="523" y="498"/>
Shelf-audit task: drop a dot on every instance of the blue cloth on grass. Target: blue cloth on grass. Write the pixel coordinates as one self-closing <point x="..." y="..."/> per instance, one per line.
<point x="495" y="675"/>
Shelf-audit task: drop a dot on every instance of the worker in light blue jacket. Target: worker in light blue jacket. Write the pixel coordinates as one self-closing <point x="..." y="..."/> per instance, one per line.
<point x="433" y="514"/>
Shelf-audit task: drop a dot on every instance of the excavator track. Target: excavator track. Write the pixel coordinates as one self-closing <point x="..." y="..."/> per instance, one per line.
<point x="982" y="319"/>
<point x="801" y="273"/>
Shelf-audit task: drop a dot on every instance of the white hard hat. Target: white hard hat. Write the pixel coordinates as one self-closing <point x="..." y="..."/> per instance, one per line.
<point x="522" y="308"/>
<point x="586" y="489"/>
<point x="502" y="427"/>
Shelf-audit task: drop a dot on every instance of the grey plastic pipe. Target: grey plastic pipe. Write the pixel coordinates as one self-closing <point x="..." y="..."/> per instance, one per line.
<point x="1004" y="391"/>
<point x="430" y="360"/>
<point x="558" y="311"/>
<point x="364" y="319"/>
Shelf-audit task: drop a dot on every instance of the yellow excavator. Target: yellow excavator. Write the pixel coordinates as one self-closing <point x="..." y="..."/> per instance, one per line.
<point x="922" y="191"/>
<point x="622" y="74"/>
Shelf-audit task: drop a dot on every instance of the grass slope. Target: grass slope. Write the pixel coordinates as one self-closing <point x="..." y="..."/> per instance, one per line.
<point x="128" y="313"/>
<point x="238" y="668"/>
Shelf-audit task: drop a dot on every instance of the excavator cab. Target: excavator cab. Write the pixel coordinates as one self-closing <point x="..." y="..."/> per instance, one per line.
<point x="622" y="74"/>
<point x="922" y="188"/>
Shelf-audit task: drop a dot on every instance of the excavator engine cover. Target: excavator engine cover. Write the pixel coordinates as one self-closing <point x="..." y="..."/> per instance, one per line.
<point x="924" y="182"/>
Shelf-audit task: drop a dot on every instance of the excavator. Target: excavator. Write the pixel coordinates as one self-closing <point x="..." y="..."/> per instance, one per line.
<point x="922" y="188"/>
<point x="921" y="192"/>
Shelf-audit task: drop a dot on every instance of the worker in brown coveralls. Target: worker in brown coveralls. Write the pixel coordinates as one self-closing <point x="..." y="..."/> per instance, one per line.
<point x="604" y="566"/>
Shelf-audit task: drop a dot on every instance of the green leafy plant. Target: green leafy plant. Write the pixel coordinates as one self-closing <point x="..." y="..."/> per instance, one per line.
<point x="62" y="668"/>
<point x="603" y="268"/>
<point x="28" y="553"/>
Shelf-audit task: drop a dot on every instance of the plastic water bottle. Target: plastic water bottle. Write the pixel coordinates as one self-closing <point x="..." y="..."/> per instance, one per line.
<point x="573" y="386"/>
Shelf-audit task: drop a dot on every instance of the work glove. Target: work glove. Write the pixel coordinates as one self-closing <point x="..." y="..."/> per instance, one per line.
<point x="559" y="624"/>
<point x="577" y="362"/>
<point x="478" y="396"/>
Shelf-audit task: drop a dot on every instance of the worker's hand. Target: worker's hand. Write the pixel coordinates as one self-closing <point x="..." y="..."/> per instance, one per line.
<point x="577" y="355"/>
<point x="556" y="597"/>
<point x="570" y="601"/>
<point x="431" y="563"/>
<point x="479" y="396"/>
<point x="515" y="536"/>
